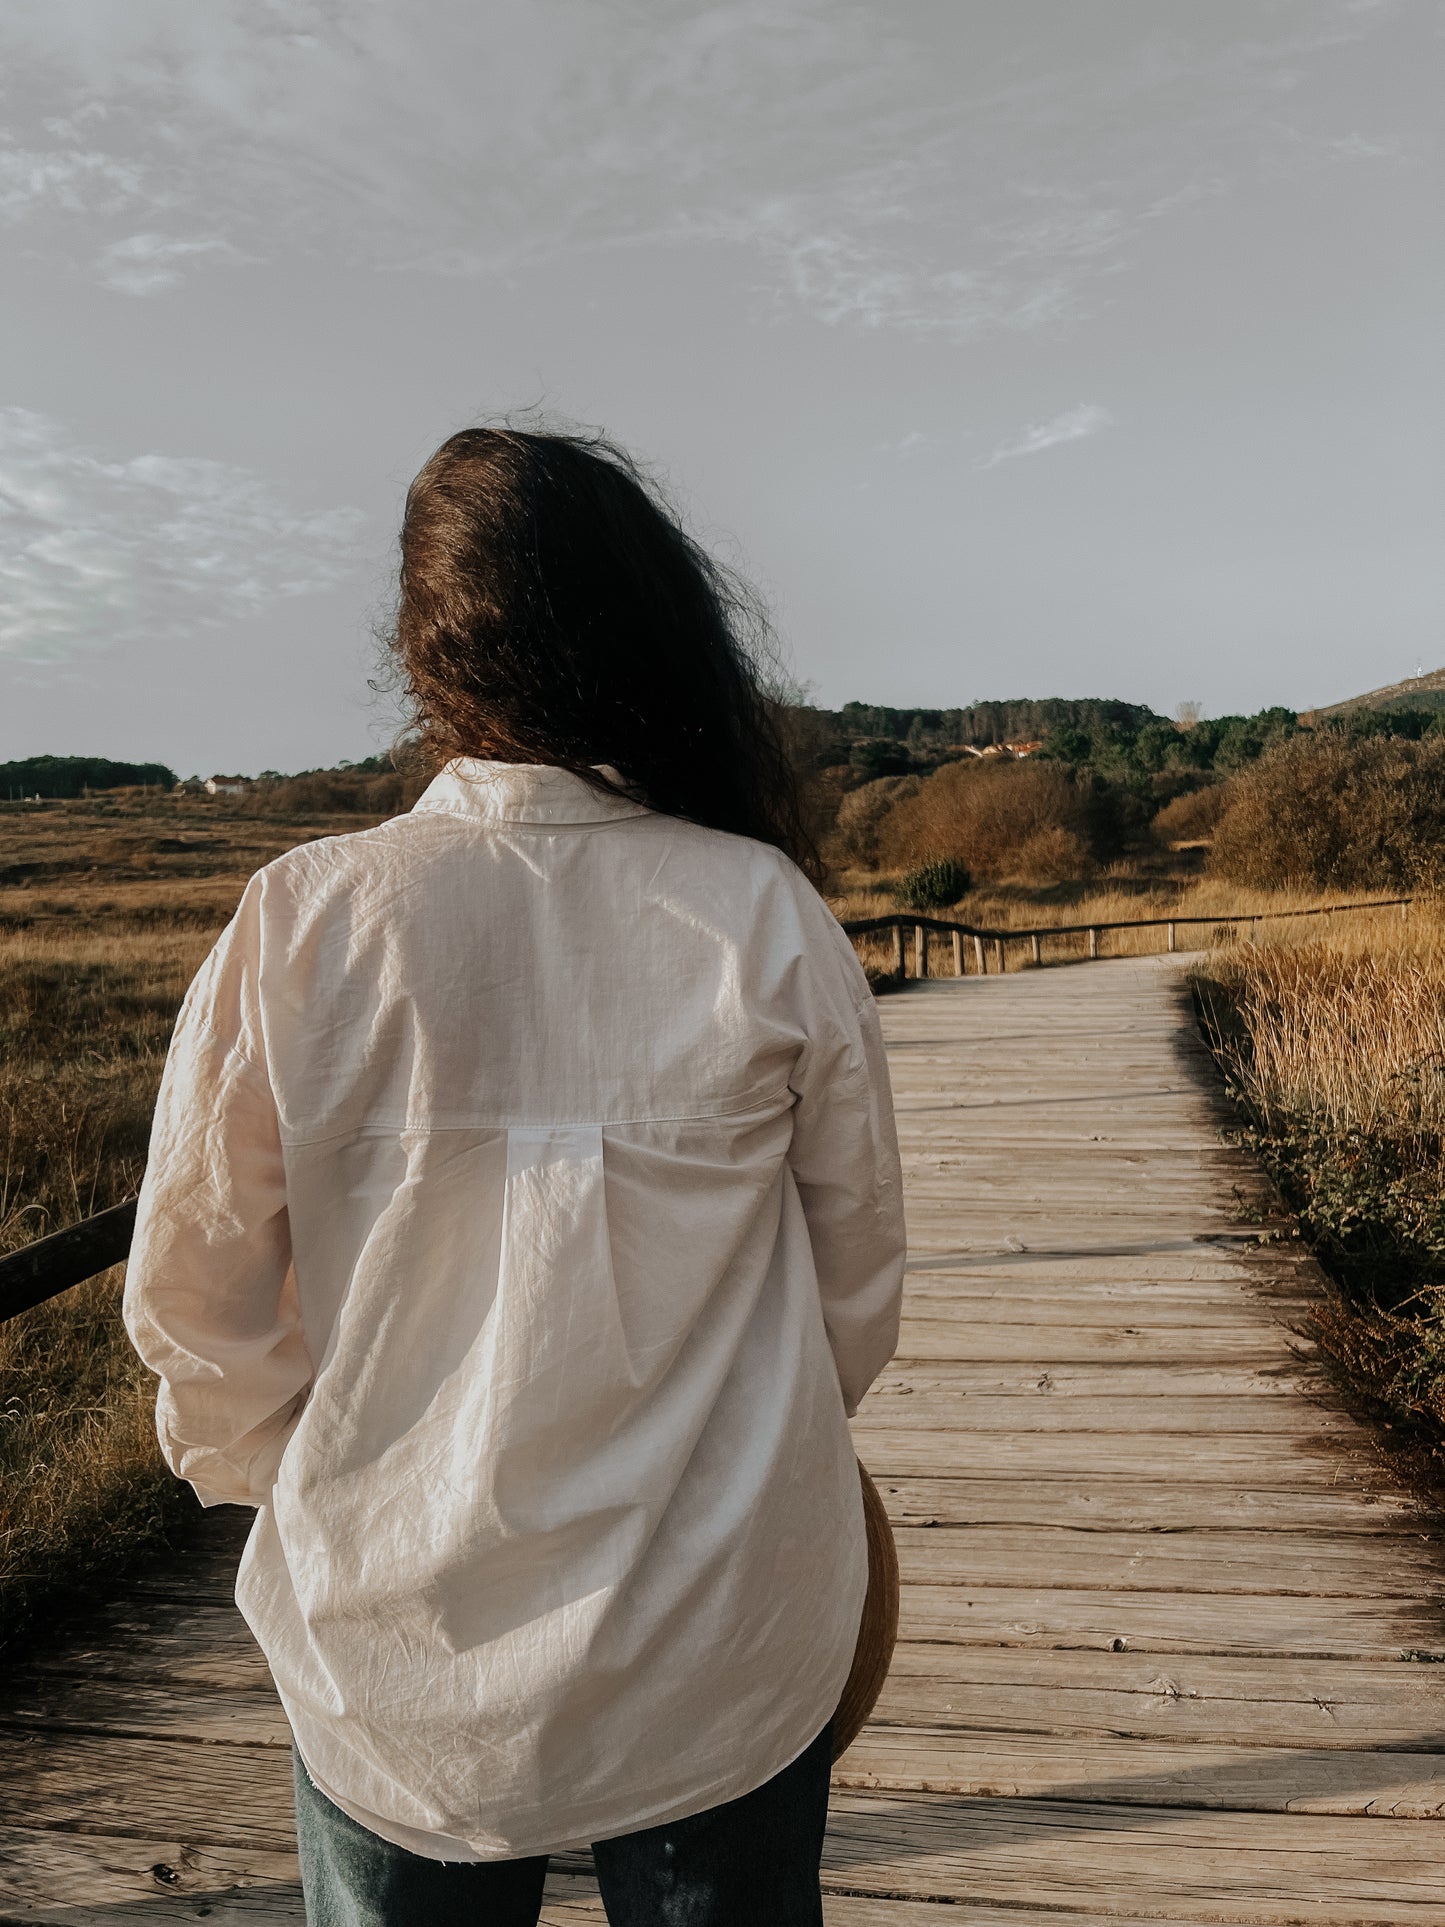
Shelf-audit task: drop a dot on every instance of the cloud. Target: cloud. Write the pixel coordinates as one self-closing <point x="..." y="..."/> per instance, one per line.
<point x="70" y="180"/>
<point x="144" y="264"/>
<point x="1074" y="425"/>
<point x="927" y="170"/>
<point x="97" y="550"/>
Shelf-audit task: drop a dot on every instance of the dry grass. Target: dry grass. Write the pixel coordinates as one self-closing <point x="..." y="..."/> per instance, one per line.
<point x="1347" y="1029"/>
<point x="1335" y="1047"/>
<point x="107" y="908"/>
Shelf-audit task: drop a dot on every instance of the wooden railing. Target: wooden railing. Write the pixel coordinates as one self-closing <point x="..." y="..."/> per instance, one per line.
<point x="983" y="940"/>
<point x="49" y="1266"/>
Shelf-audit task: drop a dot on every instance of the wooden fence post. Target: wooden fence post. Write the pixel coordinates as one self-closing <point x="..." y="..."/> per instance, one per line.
<point x="1171" y="938"/>
<point x="998" y="953"/>
<point x="979" y="957"/>
<point x="958" y="953"/>
<point x="1037" y="944"/>
<point x="920" y="951"/>
<point x="1093" y="942"/>
<point x="1404" y="908"/>
<point x="898" y="949"/>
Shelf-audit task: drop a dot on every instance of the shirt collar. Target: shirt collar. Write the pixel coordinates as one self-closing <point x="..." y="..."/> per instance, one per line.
<point x="522" y="793"/>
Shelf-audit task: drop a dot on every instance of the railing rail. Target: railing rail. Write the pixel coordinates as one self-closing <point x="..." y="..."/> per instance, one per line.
<point x="1035" y="934"/>
<point x="51" y="1265"/>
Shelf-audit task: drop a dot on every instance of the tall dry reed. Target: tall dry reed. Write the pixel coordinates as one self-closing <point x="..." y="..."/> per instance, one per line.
<point x="1335" y="1047"/>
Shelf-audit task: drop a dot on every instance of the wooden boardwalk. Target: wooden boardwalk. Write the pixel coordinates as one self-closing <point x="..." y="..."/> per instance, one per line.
<point x="1166" y="1626"/>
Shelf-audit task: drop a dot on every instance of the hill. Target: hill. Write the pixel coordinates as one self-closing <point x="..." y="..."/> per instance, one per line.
<point x="1416" y="692"/>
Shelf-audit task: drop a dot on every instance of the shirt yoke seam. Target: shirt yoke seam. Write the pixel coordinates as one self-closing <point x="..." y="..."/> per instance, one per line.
<point x="403" y="1126"/>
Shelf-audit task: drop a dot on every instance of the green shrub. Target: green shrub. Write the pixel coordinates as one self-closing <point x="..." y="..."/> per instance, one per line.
<point x="934" y="885"/>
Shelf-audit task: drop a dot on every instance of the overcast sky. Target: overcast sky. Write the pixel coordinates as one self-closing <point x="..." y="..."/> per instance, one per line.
<point x="1015" y="347"/>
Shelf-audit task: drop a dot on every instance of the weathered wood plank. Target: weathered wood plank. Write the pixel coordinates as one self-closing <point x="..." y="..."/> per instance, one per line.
<point x="1158" y="1863"/>
<point x="1171" y="1622"/>
<point x="1145" y="1340"/>
<point x="1177" y="1377"/>
<point x="1302" y="1565"/>
<point x="1318" y="1703"/>
<point x="1235" y="1700"/>
<point x="1140" y="1772"/>
<point x="228" y="1797"/>
<point x="160" y="1640"/>
<point x="81" y="1879"/>
<point x="1349" y="1506"/>
<point x="1224" y="1415"/>
<point x="573" y="1897"/>
<point x="1246" y="1459"/>
<point x="208" y="1714"/>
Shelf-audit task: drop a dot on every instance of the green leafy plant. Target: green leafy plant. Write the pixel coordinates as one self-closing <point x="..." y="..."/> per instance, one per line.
<point x="934" y="885"/>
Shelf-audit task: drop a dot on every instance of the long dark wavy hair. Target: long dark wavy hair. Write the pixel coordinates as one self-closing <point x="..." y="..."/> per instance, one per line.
<point x="554" y="610"/>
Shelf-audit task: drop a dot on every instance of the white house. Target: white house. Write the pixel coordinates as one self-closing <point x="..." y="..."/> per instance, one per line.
<point x="225" y="786"/>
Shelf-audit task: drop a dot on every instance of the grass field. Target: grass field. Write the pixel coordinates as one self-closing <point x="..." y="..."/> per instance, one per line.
<point x="107" y="907"/>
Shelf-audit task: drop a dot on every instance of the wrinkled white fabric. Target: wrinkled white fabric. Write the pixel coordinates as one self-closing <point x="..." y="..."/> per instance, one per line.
<point x="522" y="1220"/>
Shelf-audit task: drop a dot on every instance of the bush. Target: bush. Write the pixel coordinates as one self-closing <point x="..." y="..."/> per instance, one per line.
<point x="1327" y="813"/>
<point x="933" y="885"/>
<point x="1051" y="856"/>
<point x="335" y="792"/>
<point x="854" y="838"/>
<point x="985" y="815"/>
<point x="1192" y="818"/>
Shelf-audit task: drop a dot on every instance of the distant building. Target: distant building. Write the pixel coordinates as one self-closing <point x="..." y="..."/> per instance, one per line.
<point x="1001" y="749"/>
<point x="225" y="786"/>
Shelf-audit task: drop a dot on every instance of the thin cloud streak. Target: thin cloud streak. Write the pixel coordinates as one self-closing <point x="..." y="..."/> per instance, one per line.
<point x="97" y="551"/>
<point x="1074" y="425"/>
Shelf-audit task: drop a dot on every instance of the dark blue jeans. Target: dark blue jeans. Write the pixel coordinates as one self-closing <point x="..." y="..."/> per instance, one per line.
<point x="751" y="1862"/>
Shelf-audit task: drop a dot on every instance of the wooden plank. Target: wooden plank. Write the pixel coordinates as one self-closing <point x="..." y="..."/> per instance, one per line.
<point x="66" y="1878"/>
<point x="228" y="1797"/>
<point x="572" y="1897"/>
<point x="1350" y="1505"/>
<point x="990" y="1295"/>
<point x="1255" y="1459"/>
<point x="1177" y="1377"/>
<point x="206" y="1714"/>
<point x="1240" y="1700"/>
<point x="1221" y="1415"/>
<point x="1139" y="1772"/>
<point x="1309" y="1704"/>
<point x="160" y="1640"/>
<point x="1298" y="1564"/>
<point x="1145" y="1340"/>
<point x="1165" y="1622"/>
<point x="1156" y="1863"/>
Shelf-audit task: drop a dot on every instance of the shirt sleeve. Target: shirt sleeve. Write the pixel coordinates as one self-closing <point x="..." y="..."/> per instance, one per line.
<point x="844" y="1158"/>
<point x="210" y="1297"/>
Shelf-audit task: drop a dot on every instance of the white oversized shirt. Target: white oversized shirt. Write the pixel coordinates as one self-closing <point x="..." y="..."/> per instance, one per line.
<point x="521" y="1224"/>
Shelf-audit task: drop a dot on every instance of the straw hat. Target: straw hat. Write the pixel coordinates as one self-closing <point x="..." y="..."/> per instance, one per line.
<point x="878" y="1629"/>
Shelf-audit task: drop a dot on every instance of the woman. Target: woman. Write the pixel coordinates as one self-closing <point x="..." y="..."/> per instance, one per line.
<point x="521" y="1227"/>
